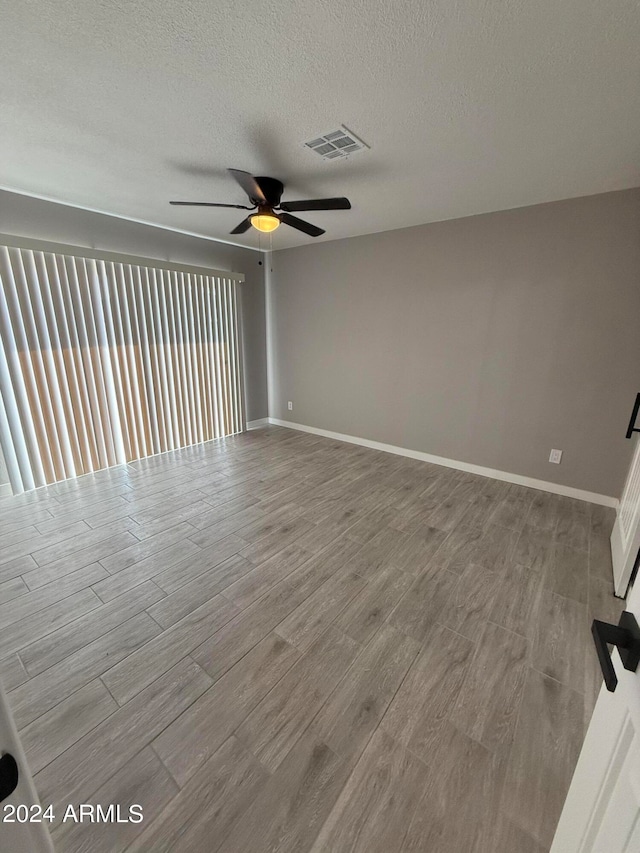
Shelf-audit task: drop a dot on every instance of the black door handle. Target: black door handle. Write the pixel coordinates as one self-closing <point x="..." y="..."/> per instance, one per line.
<point x="8" y="776"/>
<point x="634" y="416"/>
<point x="626" y="636"/>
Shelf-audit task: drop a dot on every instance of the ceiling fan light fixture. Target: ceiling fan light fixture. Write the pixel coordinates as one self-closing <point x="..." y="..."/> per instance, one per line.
<point x="265" y="222"/>
<point x="265" y="195"/>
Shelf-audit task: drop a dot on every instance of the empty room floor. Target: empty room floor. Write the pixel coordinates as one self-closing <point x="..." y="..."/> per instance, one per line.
<point x="282" y="642"/>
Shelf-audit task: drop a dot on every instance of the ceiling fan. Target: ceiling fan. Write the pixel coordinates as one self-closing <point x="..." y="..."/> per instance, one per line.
<point x="264" y="195"/>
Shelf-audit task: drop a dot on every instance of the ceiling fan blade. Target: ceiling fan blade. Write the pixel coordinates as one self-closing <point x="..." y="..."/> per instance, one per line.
<point x="210" y="204"/>
<point x="242" y="227"/>
<point x="318" y="204"/>
<point x="301" y="225"/>
<point x="249" y="185"/>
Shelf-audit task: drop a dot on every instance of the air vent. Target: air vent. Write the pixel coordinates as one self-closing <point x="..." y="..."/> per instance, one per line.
<point x="338" y="143"/>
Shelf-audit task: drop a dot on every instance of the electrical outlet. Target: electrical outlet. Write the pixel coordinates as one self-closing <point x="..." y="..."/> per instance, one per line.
<point x="290" y="407"/>
<point x="555" y="456"/>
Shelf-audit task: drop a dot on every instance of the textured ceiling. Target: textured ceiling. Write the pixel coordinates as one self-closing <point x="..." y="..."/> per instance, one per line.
<point x="468" y="105"/>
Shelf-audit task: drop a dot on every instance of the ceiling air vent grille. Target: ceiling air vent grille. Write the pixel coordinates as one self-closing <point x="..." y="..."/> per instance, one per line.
<point x="338" y="143"/>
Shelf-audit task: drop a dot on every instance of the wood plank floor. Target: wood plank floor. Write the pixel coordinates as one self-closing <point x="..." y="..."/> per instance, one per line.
<point x="282" y="642"/>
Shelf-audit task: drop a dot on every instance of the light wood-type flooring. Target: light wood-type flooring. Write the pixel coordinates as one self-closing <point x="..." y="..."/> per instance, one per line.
<point x="282" y="642"/>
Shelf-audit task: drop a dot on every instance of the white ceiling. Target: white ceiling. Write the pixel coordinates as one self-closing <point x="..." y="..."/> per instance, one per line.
<point x="468" y="105"/>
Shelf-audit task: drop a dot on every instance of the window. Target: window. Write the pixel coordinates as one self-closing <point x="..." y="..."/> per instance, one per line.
<point x="103" y="362"/>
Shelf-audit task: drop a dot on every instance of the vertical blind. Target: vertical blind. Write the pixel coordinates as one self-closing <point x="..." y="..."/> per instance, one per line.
<point x="103" y="362"/>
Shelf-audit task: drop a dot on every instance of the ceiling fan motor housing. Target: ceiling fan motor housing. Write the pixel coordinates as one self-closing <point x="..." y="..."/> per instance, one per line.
<point x="272" y="189"/>
<point x="264" y="210"/>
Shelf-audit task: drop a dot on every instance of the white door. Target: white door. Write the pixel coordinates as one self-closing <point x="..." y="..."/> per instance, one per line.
<point x="22" y="829"/>
<point x="625" y="536"/>
<point x="602" y="810"/>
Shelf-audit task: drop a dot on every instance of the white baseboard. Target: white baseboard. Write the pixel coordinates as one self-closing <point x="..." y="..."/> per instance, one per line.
<point x="261" y="422"/>
<point x="5" y="490"/>
<point x="506" y="476"/>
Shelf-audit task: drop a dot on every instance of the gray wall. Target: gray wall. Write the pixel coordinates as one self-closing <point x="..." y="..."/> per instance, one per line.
<point x="488" y="340"/>
<point x="44" y="220"/>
